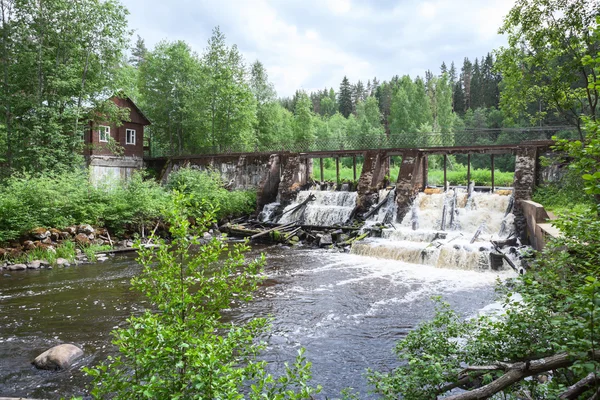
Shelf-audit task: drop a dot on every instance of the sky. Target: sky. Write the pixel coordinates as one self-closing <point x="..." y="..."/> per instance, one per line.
<point x="313" y="44"/>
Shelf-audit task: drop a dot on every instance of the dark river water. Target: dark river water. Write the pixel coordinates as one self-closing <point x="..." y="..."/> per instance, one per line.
<point x="346" y="310"/>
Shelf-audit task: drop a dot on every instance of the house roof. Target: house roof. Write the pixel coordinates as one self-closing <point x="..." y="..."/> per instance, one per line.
<point x="124" y="96"/>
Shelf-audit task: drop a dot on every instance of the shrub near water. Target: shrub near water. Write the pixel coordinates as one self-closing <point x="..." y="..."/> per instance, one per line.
<point x="180" y="348"/>
<point x="60" y="200"/>
<point x="208" y="186"/>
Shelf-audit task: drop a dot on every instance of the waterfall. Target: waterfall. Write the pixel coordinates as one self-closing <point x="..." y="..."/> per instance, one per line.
<point x="439" y="229"/>
<point x="328" y="208"/>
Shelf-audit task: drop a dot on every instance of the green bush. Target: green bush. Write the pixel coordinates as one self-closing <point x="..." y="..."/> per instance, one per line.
<point x="61" y="200"/>
<point x="180" y="347"/>
<point x="207" y="187"/>
<point x="559" y="196"/>
<point x="53" y="200"/>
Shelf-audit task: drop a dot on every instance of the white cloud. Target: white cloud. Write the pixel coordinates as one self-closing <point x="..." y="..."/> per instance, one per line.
<point x="339" y="6"/>
<point x="310" y="44"/>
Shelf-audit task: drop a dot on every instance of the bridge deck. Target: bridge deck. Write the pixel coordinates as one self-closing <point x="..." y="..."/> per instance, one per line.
<point x="479" y="149"/>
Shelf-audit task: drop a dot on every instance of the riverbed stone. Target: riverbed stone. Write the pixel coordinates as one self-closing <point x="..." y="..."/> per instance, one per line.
<point x="35" y="264"/>
<point x="39" y="233"/>
<point x="58" y="357"/>
<point x="85" y="228"/>
<point x="3" y="253"/>
<point x="62" y="262"/>
<point x="325" y="240"/>
<point x="17" y="267"/>
<point x="28" y="245"/>
<point x="82" y="238"/>
<point x="101" y="258"/>
<point x="71" y="230"/>
<point x="64" y="235"/>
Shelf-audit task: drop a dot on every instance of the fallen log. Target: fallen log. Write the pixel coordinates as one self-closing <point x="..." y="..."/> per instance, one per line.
<point x="574" y="391"/>
<point x="239" y="231"/>
<point x="477" y="233"/>
<point x="379" y="205"/>
<point x="277" y="228"/>
<point x="515" y="372"/>
<point x="508" y="260"/>
<point x="310" y="198"/>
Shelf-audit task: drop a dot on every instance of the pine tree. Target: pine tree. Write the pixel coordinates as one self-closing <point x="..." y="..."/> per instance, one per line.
<point x="443" y="68"/>
<point x="345" y="98"/>
<point x="452" y="80"/>
<point x="476" y="87"/>
<point x="465" y="76"/>
<point x="138" y="52"/>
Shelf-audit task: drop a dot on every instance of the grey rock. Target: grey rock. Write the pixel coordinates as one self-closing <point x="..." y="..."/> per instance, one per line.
<point x="36" y="264"/>
<point x="85" y="229"/>
<point x="45" y="263"/>
<point x="62" y="262"/>
<point x="58" y="357"/>
<point x="17" y="267"/>
<point x="325" y="240"/>
<point x="101" y="259"/>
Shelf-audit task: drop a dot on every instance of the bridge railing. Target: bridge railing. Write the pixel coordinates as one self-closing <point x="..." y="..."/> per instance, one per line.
<point x="480" y="137"/>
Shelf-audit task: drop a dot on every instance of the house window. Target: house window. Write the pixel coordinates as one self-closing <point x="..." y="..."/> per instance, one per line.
<point x="130" y="138"/>
<point x="103" y="133"/>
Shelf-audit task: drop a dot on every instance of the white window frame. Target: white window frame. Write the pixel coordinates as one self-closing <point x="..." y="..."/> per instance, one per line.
<point x="127" y="141"/>
<point x="103" y="137"/>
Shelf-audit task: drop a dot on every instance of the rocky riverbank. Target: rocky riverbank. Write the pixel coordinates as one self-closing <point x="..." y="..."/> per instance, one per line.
<point x="45" y="248"/>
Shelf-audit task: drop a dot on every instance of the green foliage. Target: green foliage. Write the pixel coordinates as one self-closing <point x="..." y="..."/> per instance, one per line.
<point x="58" y="200"/>
<point x="544" y="65"/>
<point x="207" y="188"/>
<point x="558" y="196"/>
<point x="50" y="79"/>
<point x="181" y="348"/>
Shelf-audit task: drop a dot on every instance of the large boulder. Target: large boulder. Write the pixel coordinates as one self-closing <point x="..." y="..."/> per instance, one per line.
<point x="17" y="267"/>
<point x="39" y="233"/>
<point x="62" y="262"/>
<point x="326" y="240"/>
<point x="29" y="245"/>
<point x="85" y="228"/>
<point x="82" y="238"/>
<point x="58" y="357"/>
<point x="36" y="264"/>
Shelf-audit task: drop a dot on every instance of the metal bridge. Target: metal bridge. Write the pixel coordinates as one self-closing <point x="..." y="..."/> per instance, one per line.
<point x="490" y="141"/>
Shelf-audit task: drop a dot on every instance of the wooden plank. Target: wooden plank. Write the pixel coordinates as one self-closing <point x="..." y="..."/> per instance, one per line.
<point x="445" y="169"/>
<point x="321" y="165"/>
<point x="468" y="169"/>
<point x="492" y="157"/>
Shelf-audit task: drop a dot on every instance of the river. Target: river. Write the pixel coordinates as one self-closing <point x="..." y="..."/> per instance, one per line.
<point x="347" y="311"/>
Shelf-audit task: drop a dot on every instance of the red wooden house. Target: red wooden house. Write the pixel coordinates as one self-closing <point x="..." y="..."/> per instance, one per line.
<point x="127" y="137"/>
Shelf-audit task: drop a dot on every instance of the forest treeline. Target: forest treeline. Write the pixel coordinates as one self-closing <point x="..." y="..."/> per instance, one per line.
<point x="61" y="62"/>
